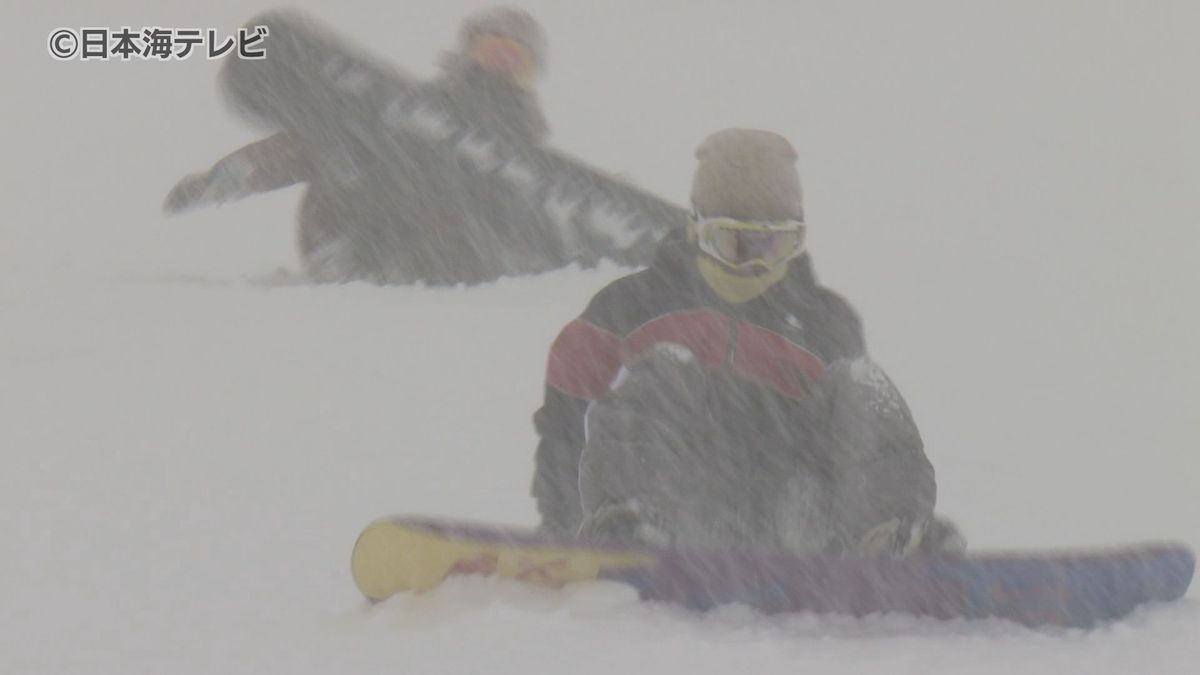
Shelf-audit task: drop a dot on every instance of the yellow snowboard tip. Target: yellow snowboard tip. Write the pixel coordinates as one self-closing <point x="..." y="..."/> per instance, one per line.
<point x="393" y="556"/>
<point x="390" y="558"/>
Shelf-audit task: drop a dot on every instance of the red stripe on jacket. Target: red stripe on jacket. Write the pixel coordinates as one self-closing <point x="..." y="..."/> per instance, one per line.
<point x="585" y="359"/>
<point x="769" y="358"/>
<point x="704" y="332"/>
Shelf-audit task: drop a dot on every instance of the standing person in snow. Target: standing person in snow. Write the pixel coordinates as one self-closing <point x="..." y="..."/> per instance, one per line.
<point x="723" y="397"/>
<point x="397" y="228"/>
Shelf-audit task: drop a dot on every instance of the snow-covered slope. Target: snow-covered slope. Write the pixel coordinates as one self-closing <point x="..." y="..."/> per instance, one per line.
<point x="191" y="441"/>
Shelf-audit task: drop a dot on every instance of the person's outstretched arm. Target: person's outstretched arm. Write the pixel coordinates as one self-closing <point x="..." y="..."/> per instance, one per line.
<point x="269" y="164"/>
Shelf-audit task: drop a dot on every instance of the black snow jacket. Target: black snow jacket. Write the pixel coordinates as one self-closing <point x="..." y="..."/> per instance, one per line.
<point x="782" y="342"/>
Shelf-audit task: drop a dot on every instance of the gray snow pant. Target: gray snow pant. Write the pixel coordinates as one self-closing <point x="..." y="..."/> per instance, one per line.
<point x="711" y="460"/>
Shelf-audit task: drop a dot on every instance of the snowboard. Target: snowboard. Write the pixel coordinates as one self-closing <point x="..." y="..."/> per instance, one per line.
<point x="512" y="195"/>
<point x="1037" y="588"/>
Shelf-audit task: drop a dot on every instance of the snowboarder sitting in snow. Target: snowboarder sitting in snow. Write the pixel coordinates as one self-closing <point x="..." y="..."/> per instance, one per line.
<point x="394" y="228"/>
<point x="723" y="397"/>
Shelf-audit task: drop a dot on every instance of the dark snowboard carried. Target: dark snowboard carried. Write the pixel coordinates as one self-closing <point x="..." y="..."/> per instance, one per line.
<point x="1036" y="588"/>
<point x="383" y="143"/>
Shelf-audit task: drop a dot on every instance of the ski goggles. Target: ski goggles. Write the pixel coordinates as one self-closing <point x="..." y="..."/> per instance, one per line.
<point x="740" y="243"/>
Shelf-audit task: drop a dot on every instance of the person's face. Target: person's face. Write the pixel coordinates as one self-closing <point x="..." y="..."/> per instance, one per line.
<point x="506" y="57"/>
